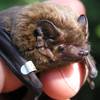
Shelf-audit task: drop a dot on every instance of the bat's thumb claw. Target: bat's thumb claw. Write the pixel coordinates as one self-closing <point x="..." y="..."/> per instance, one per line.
<point x="93" y="74"/>
<point x="91" y="83"/>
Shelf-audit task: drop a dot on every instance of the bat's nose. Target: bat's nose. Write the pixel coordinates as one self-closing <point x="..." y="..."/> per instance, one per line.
<point x="83" y="52"/>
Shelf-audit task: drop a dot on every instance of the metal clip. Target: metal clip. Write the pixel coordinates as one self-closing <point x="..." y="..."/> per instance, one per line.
<point x="27" y="68"/>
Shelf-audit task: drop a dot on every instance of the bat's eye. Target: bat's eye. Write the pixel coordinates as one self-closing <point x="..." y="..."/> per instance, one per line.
<point x="61" y="48"/>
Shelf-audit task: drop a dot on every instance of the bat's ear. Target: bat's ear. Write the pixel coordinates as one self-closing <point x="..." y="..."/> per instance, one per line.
<point x="83" y="22"/>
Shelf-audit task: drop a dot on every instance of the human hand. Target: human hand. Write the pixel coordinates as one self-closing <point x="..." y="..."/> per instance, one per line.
<point x="76" y="5"/>
<point x="9" y="82"/>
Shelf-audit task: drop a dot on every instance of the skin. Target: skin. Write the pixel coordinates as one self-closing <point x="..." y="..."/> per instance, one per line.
<point x="6" y="76"/>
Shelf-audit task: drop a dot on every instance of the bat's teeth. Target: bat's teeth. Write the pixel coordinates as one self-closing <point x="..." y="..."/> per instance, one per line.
<point x="47" y="52"/>
<point x="50" y="54"/>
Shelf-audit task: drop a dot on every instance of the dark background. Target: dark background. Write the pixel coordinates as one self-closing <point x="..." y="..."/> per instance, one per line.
<point x="93" y="13"/>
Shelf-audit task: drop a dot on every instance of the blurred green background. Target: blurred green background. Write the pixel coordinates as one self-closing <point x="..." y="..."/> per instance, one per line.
<point x="93" y="13"/>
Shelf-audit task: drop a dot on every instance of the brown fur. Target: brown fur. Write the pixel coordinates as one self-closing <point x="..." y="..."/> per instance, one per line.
<point x="20" y="22"/>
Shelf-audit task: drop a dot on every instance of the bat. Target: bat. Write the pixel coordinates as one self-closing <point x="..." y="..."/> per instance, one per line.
<point x="50" y="35"/>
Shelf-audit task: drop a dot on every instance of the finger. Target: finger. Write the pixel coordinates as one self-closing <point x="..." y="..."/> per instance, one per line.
<point x="2" y="76"/>
<point x="76" y="5"/>
<point x="8" y="81"/>
<point x="63" y="83"/>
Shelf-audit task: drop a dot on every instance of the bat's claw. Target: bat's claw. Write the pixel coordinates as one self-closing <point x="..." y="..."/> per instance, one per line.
<point x="93" y="74"/>
<point x="91" y="83"/>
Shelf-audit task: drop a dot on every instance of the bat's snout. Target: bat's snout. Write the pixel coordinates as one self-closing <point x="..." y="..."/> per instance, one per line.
<point x="72" y="51"/>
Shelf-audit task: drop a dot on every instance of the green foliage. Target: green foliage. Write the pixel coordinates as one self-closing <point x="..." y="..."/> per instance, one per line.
<point x="97" y="31"/>
<point x="93" y="13"/>
<point x="8" y="3"/>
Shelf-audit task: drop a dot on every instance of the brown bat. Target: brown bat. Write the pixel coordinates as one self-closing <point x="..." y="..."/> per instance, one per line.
<point x="50" y="35"/>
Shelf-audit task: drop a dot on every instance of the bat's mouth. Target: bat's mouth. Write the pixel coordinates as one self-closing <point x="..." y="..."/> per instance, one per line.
<point x="64" y="52"/>
<point x="60" y="54"/>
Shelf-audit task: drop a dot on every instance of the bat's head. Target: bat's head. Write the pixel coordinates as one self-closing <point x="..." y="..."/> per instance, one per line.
<point x="56" y="47"/>
<point x="51" y="45"/>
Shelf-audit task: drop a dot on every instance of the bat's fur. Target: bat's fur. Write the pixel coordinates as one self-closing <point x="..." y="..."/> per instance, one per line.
<point x="21" y="23"/>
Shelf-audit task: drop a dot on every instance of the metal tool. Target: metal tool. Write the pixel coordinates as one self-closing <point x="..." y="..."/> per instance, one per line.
<point x="23" y="69"/>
